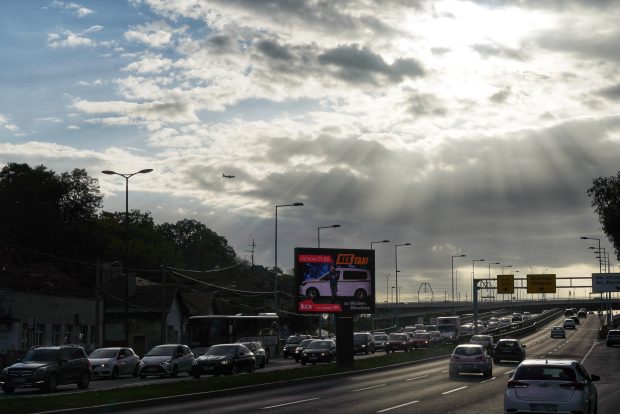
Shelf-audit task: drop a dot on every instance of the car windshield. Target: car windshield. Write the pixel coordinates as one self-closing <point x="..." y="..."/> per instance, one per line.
<point x="468" y="350"/>
<point x="319" y="345"/>
<point x="44" y="355"/>
<point x="305" y="342"/>
<point x="360" y="338"/>
<point x="293" y="340"/>
<point x="398" y="337"/>
<point x="165" y="350"/>
<point x="381" y="337"/>
<point x="614" y="333"/>
<point x="104" y="353"/>
<point x="480" y="338"/>
<point x="421" y="336"/>
<point x="507" y="344"/>
<point x="545" y="373"/>
<point x="222" y="350"/>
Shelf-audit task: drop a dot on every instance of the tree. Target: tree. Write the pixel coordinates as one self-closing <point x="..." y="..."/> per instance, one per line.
<point x="605" y="195"/>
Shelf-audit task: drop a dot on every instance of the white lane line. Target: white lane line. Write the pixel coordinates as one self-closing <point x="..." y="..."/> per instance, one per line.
<point x="398" y="406"/>
<point x="417" y="378"/>
<point x="289" y="403"/>
<point x="445" y="371"/>
<point x="369" y="388"/>
<point x="490" y="379"/>
<point x="588" y="354"/>
<point x="456" y="389"/>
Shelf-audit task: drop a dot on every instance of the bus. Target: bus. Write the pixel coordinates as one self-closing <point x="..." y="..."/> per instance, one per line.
<point x="208" y="330"/>
<point x="449" y="326"/>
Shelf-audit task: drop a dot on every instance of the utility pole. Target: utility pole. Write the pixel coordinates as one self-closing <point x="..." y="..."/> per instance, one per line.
<point x="253" y="245"/>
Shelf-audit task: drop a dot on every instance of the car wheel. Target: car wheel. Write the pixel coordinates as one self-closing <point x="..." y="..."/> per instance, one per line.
<point x="312" y="293"/>
<point x="52" y="384"/>
<point x="366" y="351"/>
<point x="489" y="372"/>
<point x="175" y="372"/>
<point x="262" y="365"/>
<point x="452" y="374"/>
<point x="373" y="350"/>
<point x="136" y="371"/>
<point x="84" y="380"/>
<point x="595" y="408"/>
<point x="360" y="294"/>
<point x="252" y="368"/>
<point x="114" y="373"/>
<point x="196" y="375"/>
<point x="8" y="390"/>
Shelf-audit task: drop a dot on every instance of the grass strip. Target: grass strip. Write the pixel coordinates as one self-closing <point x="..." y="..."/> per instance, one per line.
<point x="34" y="404"/>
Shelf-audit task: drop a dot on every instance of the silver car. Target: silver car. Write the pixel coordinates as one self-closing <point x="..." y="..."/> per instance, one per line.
<point x="553" y="385"/>
<point x="112" y="362"/>
<point x="166" y="360"/>
<point x="470" y="358"/>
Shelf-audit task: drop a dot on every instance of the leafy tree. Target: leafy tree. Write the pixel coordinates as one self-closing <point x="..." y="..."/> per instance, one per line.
<point x="605" y="195"/>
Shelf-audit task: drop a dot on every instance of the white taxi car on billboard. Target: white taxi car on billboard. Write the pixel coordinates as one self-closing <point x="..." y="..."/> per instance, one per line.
<point x="352" y="282"/>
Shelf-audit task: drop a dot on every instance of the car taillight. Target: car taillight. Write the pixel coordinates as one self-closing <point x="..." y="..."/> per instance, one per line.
<point x="577" y="386"/>
<point x="517" y="384"/>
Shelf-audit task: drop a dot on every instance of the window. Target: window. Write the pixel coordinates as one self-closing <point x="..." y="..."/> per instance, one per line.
<point x="39" y="334"/>
<point x="55" y="335"/>
<point x="26" y="336"/>
<point x="68" y="338"/>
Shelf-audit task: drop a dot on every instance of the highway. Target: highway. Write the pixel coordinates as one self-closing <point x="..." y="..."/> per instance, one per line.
<point x="422" y="388"/>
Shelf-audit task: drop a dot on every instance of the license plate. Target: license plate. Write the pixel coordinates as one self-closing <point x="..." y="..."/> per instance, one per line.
<point x="545" y="408"/>
<point x="313" y="358"/>
<point x="150" y="369"/>
<point x="19" y="379"/>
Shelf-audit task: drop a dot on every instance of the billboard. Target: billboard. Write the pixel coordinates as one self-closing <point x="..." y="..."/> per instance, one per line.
<point x="505" y="284"/>
<point x="544" y="283"/>
<point x="335" y="280"/>
<point x="605" y="282"/>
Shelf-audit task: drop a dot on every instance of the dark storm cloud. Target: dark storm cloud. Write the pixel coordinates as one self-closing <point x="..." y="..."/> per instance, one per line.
<point x="501" y="95"/>
<point x="582" y="41"/>
<point x="273" y="50"/>
<point x="222" y="44"/>
<point x="499" y="51"/>
<point x="612" y="92"/>
<point x="361" y="65"/>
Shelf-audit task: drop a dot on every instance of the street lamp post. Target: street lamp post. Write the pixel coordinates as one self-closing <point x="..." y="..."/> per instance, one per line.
<point x="503" y="267"/>
<point x="376" y="242"/>
<point x="396" y="246"/>
<point x="453" y="256"/>
<point x="275" y="265"/>
<point x="489" y="282"/>
<point x="473" y="275"/>
<point x="600" y="270"/>
<point x="126" y="249"/>
<point x="318" y="232"/>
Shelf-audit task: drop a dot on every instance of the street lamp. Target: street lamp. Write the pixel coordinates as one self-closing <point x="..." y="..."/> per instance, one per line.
<point x="473" y="275"/>
<point x="275" y="265"/>
<point x="318" y="234"/>
<point x="126" y="252"/>
<point x="600" y="265"/>
<point x="453" y="256"/>
<point x="376" y="242"/>
<point x="396" y="246"/>
<point x="503" y="267"/>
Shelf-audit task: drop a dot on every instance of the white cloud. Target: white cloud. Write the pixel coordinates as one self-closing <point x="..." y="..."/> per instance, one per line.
<point x="68" y="39"/>
<point x="156" y="34"/>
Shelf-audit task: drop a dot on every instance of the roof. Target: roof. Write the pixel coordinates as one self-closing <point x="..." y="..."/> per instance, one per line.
<point x="40" y="278"/>
<point x="565" y="362"/>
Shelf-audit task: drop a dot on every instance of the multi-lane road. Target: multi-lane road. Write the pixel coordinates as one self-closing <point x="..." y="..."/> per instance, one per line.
<point x="421" y="388"/>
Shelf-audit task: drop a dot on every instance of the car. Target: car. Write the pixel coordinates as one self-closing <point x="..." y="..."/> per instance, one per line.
<point x="352" y="282"/>
<point x="319" y="350"/>
<point x="397" y="342"/>
<point x="551" y="385"/>
<point x="302" y="345"/>
<point x="485" y="340"/>
<point x="470" y="358"/>
<point x="576" y="319"/>
<point x="363" y="342"/>
<point x="409" y="328"/>
<point x="292" y="342"/>
<point x="436" y="337"/>
<point x="114" y="361"/>
<point x="224" y="359"/>
<point x="508" y="349"/>
<point x="419" y="327"/>
<point x="260" y="355"/>
<point x="380" y="340"/>
<point x="166" y="360"/>
<point x="526" y="315"/>
<point x="421" y="340"/>
<point x="46" y="367"/>
<point x="569" y="324"/>
<point x="410" y="341"/>
<point x="503" y="322"/>
<point x="517" y="317"/>
<point x="582" y="314"/>
<point x="430" y="328"/>
<point x="613" y="337"/>
<point x="558" y="332"/>
<point x="569" y="312"/>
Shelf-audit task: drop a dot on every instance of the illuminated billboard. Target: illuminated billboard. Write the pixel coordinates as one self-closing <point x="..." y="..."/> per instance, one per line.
<point x="335" y="280"/>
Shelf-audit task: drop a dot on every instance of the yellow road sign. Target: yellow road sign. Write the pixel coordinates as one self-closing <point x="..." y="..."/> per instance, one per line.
<point x="540" y="283"/>
<point x="505" y="284"/>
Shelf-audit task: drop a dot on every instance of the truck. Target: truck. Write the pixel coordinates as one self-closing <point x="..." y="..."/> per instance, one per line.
<point x="448" y="326"/>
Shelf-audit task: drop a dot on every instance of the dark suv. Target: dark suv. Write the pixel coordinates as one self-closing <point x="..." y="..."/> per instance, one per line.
<point x="292" y="343"/>
<point x="508" y="349"/>
<point x="363" y="342"/>
<point x="46" y="367"/>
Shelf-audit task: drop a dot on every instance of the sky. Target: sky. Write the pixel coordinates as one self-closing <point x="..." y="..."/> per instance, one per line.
<point x="461" y="127"/>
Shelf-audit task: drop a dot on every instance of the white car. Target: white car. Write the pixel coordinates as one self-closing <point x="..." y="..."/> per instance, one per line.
<point x="164" y="360"/>
<point x="551" y="385"/>
<point x="470" y="358"/>
<point x="112" y="362"/>
<point x="352" y="282"/>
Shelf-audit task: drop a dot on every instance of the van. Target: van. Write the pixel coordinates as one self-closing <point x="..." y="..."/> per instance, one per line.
<point x="352" y="282"/>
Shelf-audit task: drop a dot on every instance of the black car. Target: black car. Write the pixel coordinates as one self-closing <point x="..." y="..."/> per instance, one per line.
<point x="613" y="337"/>
<point x="260" y="355"/>
<point x="397" y="341"/>
<point x="47" y="367"/>
<point x="363" y="342"/>
<point x="319" y="350"/>
<point x="576" y="319"/>
<point x="509" y="350"/>
<point x="224" y="359"/>
<point x="292" y="342"/>
<point x="302" y="345"/>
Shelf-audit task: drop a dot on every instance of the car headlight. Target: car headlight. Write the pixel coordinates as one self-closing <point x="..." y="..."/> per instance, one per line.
<point x="323" y="354"/>
<point x="168" y="361"/>
<point x="40" y="371"/>
<point x="363" y="346"/>
<point x="224" y="362"/>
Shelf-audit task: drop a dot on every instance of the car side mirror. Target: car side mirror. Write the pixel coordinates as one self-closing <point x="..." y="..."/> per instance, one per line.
<point x="595" y="377"/>
<point x="523" y="346"/>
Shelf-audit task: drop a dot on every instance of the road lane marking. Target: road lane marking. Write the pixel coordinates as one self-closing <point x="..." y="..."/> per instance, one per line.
<point x="398" y="406"/>
<point x="445" y="371"/>
<point x="588" y="354"/>
<point x="456" y="389"/>
<point x="289" y="403"/>
<point x="369" y="388"/>
<point x="416" y="378"/>
<point x="490" y="379"/>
